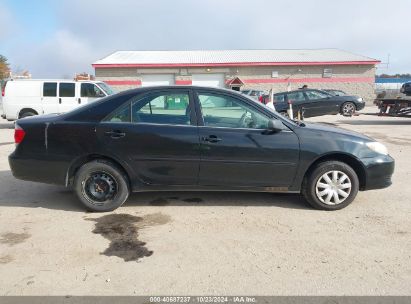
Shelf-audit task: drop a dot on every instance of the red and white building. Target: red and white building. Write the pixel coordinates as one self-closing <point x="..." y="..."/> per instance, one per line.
<point x="241" y="69"/>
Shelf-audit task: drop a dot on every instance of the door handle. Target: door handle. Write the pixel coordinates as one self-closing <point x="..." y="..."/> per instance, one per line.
<point x="211" y="139"/>
<point x="59" y="100"/>
<point x="115" y="134"/>
<point x="79" y="101"/>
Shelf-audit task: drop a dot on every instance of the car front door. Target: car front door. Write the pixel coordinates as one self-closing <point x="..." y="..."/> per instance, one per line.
<point x="320" y="103"/>
<point x="157" y="136"/>
<point x="89" y="92"/>
<point x="237" y="150"/>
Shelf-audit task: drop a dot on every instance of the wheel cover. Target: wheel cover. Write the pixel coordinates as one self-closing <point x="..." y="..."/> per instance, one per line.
<point x="333" y="187"/>
<point x="99" y="188"/>
<point x="348" y="109"/>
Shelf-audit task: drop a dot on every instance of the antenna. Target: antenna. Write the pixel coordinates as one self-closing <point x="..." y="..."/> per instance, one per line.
<point x="386" y="64"/>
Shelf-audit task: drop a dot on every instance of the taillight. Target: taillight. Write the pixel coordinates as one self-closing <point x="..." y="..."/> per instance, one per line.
<point x="19" y="134"/>
<point x="3" y="89"/>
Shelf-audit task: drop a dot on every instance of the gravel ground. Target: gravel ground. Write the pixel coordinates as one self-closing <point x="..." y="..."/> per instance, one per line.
<point x="193" y="243"/>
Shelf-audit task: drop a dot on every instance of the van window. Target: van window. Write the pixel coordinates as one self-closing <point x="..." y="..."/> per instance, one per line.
<point x="67" y="89"/>
<point x="90" y="90"/>
<point x="50" y="89"/>
<point x="279" y="98"/>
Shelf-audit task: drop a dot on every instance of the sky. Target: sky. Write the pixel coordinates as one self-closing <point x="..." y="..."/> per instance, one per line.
<point x="55" y="39"/>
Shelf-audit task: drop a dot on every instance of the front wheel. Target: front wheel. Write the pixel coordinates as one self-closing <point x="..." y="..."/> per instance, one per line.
<point x="332" y="185"/>
<point x="101" y="186"/>
<point x="348" y="109"/>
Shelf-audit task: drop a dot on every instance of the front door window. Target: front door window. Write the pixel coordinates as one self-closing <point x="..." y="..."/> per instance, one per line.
<point x="228" y="112"/>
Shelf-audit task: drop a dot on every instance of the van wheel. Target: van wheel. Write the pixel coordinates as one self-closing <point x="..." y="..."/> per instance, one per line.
<point x="101" y="186"/>
<point x="27" y="114"/>
<point x="332" y="185"/>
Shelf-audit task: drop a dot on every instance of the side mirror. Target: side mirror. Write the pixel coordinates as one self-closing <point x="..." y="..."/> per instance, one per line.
<point x="275" y="125"/>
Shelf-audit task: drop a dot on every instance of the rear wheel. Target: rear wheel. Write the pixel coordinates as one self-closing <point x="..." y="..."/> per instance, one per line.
<point x="101" y="186"/>
<point x="348" y="108"/>
<point x="27" y="114"/>
<point x="332" y="185"/>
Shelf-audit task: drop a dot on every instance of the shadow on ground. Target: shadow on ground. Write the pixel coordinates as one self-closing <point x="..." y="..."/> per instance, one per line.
<point x="382" y="121"/>
<point x="6" y="125"/>
<point x="17" y="193"/>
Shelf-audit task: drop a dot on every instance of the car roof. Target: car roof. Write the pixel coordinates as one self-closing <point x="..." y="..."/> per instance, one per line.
<point x="145" y="89"/>
<point x="299" y="90"/>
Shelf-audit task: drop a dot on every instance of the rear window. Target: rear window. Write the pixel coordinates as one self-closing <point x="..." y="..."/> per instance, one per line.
<point x="67" y="89"/>
<point x="50" y="89"/>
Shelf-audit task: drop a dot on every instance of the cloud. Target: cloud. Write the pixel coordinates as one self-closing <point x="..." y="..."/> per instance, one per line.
<point x="6" y="23"/>
<point x="61" y="55"/>
<point x="89" y="30"/>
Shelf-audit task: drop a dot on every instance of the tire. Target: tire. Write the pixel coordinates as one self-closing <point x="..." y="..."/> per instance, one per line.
<point x="348" y="108"/>
<point x="27" y="114"/>
<point x="101" y="186"/>
<point x="316" y="194"/>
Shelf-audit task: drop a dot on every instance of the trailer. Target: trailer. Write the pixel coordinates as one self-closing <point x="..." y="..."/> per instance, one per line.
<point x="399" y="106"/>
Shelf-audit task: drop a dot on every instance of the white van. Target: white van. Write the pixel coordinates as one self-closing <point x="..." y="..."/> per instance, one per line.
<point x="28" y="97"/>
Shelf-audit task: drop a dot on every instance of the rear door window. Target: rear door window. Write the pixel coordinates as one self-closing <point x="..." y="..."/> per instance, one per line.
<point x="50" y="89"/>
<point x="165" y="108"/>
<point x="279" y="98"/>
<point x="67" y="89"/>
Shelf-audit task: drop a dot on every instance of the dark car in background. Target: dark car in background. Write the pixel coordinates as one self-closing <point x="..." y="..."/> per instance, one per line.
<point x="311" y="102"/>
<point x="194" y="138"/>
<point x="406" y="88"/>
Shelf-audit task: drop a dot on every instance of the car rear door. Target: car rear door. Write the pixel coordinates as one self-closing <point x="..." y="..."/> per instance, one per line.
<point x="49" y="99"/>
<point x="319" y="103"/>
<point x="298" y="101"/>
<point x="67" y="96"/>
<point x="157" y="136"/>
<point x="237" y="150"/>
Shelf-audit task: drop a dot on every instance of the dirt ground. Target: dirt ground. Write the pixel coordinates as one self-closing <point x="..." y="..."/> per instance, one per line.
<point x="195" y="243"/>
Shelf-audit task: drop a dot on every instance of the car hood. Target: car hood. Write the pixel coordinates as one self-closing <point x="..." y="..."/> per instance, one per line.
<point x="331" y="129"/>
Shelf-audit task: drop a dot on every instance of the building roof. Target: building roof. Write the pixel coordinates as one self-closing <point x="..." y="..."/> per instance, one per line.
<point x="231" y="58"/>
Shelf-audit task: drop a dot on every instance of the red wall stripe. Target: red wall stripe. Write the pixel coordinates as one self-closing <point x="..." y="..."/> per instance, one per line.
<point x="262" y="80"/>
<point x="123" y="82"/>
<point x="227" y="64"/>
<point x="308" y="80"/>
<point x="184" y="82"/>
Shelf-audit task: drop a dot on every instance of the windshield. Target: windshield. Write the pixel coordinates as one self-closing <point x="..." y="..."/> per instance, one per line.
<point x="106" y="88"/>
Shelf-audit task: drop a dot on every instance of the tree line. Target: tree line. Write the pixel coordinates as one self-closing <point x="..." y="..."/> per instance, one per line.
<point x="4" y="68"/>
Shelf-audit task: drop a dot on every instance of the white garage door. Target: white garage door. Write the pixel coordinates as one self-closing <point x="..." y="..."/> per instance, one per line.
<point x="157" y="80"/>
<point x="209" y="80"/>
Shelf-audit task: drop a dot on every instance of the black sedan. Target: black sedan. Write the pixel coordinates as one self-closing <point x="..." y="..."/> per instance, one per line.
<point x="316" y="103"/>
<point x="194" y="138"/>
